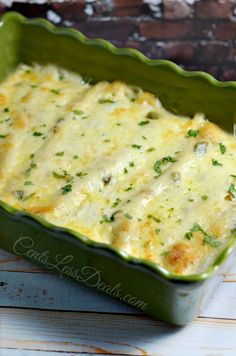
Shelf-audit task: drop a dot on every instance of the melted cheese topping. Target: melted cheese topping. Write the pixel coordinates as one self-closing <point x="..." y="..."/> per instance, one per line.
<point x="108" y="161"/>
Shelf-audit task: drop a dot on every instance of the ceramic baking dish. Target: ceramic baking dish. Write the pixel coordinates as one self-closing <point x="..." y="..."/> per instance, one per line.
<point x="141" y="284"/>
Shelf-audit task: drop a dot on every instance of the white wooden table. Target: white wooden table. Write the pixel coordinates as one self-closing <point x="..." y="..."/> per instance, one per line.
<point x="42" y="314"/>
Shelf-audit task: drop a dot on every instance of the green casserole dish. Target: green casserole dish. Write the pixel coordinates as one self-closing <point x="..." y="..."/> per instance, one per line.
<point x="150" y="288"/>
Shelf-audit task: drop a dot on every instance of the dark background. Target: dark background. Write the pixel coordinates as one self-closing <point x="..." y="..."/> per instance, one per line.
<point x="196" y="34"/>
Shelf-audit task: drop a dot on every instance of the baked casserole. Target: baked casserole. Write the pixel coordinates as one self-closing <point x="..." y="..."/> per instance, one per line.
<point x="107" y="160"/>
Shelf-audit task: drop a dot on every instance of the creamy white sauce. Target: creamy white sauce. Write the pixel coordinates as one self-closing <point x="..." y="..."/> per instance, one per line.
<point x="108" y="161"/>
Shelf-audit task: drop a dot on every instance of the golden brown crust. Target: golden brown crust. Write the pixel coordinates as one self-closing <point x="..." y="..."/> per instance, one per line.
<point x="180" y="256"/>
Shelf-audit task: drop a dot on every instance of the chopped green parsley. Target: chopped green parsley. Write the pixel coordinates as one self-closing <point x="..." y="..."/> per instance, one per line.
<point x="116" y="202"/>
<point x="129" y="188"/>
<point x="66" y="189"/>
<point x="136" y="146"/>
<point x="232" y="190"/>
<point x="222" y="148"/>
<point x="65" y="175"/>
<point x="154" y="218"/>
<point x="216" y="163"/>
<point x="151" y="149"/>
<point x="81" y="174"/>
<point x="37" y="133"/>
<point x="143" y="123"/>
<point x="193" y="133"/>
<point x="106" y="101"/>
<point x="60" y="154"/>
<point x="163" y="161"/>
<point x="55" y="91"/>
<point x="106" y="219"/>
<point x="207" y="239"/>
<point x="28" y="182"/>
<point x="152" y="115"/>
<point x="78" y="112"/>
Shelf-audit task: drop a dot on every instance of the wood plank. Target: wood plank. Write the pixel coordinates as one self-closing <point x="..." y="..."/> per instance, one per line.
<point x="10" y="262"/>
<point x="120" y="334"/>
<point x="23" y="352"/>
<point x="52" y="292"/>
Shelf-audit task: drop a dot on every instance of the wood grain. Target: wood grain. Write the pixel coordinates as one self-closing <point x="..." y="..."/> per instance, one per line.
<point x="42" y="314"/>
<point x="108" y="334"/>
<point x="52" y="292"/>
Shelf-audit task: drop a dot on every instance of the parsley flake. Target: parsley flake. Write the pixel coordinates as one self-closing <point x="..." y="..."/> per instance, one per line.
<point x="152" y="115"/>
<point x="212" y="241"/>
<point x="129" y="188"/>
<point x="154" y="218"/>
<point x="59" y="154"/>
<point x="136" y="146"/>
<point x="37" y="133"/>
<point x="157" y="167"/>
<point x="193" y="133"/>
<point x="232" y="190"/>
<point x="66" y="189"/>
<point x="216" y="163"/>
<point x="106" y="219"/>
<point x="207" y="239"/>
<point x="55" y="91"/>
<point x="143" y="123"/>
<point x="78" y="112"/>
<point x="222" y="148"/>
<point x="81" y="174"/>
<point x="106" y="101"/>
<point x="116" y="202"/>
<point x="28" y="182"/>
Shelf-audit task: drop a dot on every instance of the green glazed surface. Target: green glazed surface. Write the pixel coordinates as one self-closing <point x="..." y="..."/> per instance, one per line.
<point x="144" y="285"/>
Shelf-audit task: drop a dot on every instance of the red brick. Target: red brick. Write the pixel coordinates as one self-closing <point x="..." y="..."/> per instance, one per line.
<point x="32" y="10"/>
<point x="152" y="50"/>
<point x="149" y="49"/>
<point x="101" y="8"/>
<point x="220" y="9"/>
<point x="69" y="10"/>
<point x="216" y="53"/>
<point x="126" y="8"/>
<point x="228" y="74"/>
<point x="117" y="30"/>
<point x="176" y="9"/>
<point x="180" y="52"/>
<point x="2" y="9"/>
<point x="133" y="44"/>
<point x="225" y="31"/>
<point x="165" y="30"/>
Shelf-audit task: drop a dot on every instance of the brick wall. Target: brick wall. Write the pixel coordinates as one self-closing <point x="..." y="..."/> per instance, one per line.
<point x="197" y="34"/>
